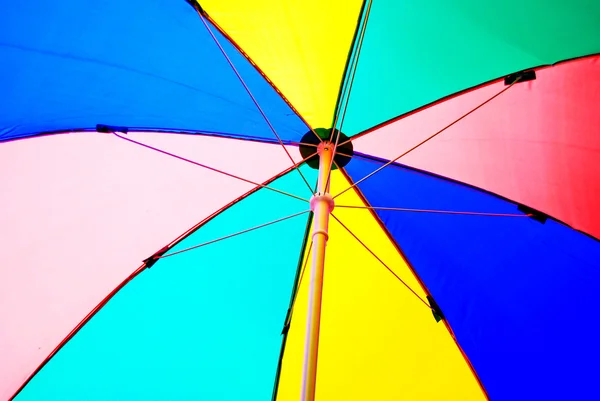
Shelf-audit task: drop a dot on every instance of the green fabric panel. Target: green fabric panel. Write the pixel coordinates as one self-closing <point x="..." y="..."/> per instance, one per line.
<point x="416" y="52"/>
<point x="202" y="325"/>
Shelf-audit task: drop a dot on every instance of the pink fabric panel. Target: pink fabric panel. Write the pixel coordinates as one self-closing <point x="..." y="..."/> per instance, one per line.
<point x="537" y="144"/>
<point x="78" y="214"/>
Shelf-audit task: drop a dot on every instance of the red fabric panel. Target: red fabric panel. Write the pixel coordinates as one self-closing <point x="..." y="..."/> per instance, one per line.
<point x="537" y="144"/>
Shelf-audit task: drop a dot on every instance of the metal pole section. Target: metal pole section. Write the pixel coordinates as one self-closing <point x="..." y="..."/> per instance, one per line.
<point x="321" y="204"/>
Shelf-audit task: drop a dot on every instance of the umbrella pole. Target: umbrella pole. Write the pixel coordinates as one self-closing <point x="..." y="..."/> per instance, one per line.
<point x="321" y="204"/>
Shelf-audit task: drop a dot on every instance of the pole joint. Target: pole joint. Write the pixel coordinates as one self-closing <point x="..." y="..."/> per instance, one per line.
<point x="319" y="198"/>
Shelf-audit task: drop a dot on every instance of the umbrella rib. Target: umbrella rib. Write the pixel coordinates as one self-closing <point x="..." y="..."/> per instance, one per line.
<point x="254" y="99"/>
<point x="429" y="138"/>
<point x="215" y="169"/>
<point x="383" y="263"/>
<point x="238" y="47"/>
<point x="403" y="209"/>
<point x="231" y="235"/>
<point x="346" y="95"/>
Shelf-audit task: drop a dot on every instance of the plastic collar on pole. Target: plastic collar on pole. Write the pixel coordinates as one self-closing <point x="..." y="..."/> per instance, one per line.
<point x="318" y="197"/>
<point x="314" y="202"/>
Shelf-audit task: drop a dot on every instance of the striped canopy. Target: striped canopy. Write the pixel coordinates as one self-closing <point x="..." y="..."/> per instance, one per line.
<point x="154" y="210"/>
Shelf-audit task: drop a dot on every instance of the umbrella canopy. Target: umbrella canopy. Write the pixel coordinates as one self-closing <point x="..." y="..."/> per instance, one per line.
<point x="158" y="158"/>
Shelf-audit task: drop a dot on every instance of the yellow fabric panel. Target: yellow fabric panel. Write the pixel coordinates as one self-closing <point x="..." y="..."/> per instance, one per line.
<point x="378" y="341"/>
<point x="301" y="45"/>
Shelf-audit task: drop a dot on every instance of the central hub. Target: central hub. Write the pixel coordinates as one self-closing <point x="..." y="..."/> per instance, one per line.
<point x="324" y="146"/>
<point x="311" y="141"/>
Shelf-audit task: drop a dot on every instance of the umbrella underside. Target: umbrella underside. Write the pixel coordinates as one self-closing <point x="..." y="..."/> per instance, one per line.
<point x="462" y="254"/>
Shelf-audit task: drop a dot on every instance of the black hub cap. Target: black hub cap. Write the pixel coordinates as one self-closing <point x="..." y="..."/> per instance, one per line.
<point x="309" y="142"/>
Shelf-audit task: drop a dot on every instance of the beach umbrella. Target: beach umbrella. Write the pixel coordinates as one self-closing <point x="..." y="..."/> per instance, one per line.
<point x="233" y="200"/>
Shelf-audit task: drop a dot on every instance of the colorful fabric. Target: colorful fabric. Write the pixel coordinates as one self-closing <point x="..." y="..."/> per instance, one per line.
<point x="142" y="142"/>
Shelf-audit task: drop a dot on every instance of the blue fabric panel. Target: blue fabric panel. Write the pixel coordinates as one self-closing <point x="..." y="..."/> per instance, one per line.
<point x="202" y="325"/>
<point x="520" y="295"/>
<point x="72" y="64"/>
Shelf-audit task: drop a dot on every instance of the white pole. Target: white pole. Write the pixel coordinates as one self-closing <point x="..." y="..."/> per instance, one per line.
<point x="321" y="204"/>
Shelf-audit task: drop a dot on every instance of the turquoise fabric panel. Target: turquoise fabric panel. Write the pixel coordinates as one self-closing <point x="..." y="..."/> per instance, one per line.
<point x="416" y="52"/>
